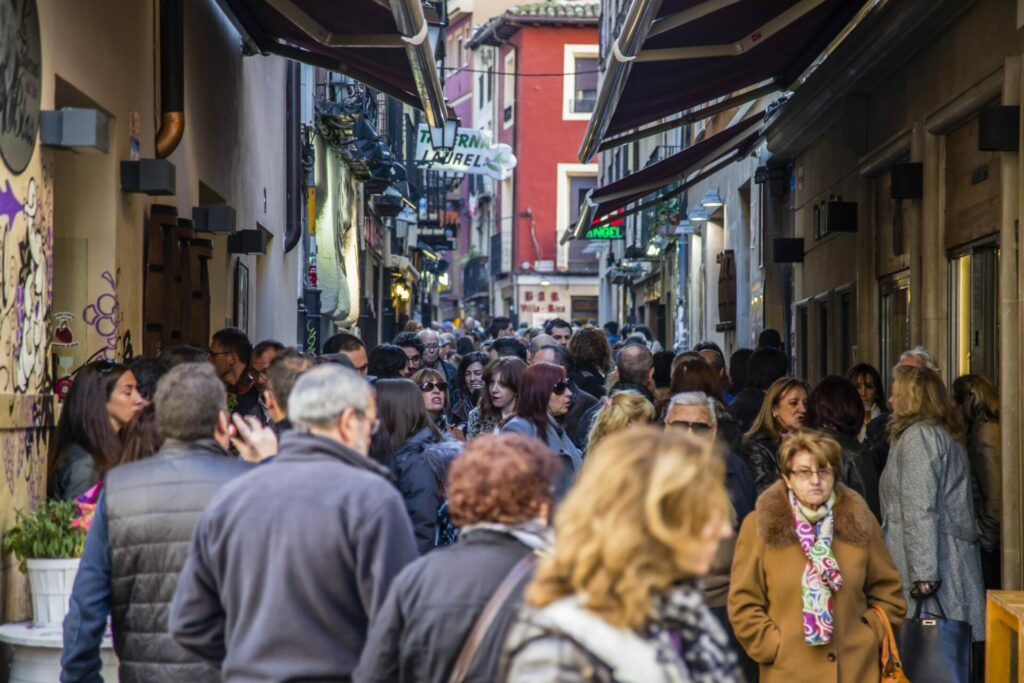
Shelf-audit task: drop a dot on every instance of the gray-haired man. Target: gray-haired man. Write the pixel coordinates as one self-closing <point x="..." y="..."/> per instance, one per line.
<point x="290" y="562"/>
<point x="138" y="541"/>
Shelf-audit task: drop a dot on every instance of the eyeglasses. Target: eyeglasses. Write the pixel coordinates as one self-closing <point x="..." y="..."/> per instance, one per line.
<point x="559" y="388"/>
<point x="430" y="386"/>
<point x="413" y="359"/>
<point x="431" y="347"/>
<point x="695" y="427"/>
<point x="806" y="475"/>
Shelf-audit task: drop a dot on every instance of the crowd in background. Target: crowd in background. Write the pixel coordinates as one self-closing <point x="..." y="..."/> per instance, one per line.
<point x="566" y="502"/>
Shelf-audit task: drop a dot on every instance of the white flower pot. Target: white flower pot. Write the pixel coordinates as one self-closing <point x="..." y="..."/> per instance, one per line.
<point x="51" y="582"/>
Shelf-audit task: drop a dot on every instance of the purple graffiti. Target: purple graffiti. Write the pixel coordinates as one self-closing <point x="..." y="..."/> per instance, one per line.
<point x="9" y="204"/>
<point x="104" y="315"/>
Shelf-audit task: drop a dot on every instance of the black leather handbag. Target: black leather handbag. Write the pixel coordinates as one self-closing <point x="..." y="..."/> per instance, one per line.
<point x="934" y="648"/>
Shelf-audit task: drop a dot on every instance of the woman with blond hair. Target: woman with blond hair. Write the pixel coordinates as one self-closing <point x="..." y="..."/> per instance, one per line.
<point x="925" y="492"/>
<point x="978" y="400"/>
<point x="810" y="563"/>
<point x="621" y="410"/>
<point x="782" y="411"/>
<point x="617" y="598"/>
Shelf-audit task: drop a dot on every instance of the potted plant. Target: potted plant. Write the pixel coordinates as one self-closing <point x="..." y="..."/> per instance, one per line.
<point x="48" y="545"/>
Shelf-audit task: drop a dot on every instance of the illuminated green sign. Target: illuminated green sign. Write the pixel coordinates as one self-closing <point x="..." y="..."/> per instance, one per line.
<point x="604" y="232"/>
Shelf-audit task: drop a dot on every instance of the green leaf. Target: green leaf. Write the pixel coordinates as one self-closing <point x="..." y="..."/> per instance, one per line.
<point x="45" y="533"/>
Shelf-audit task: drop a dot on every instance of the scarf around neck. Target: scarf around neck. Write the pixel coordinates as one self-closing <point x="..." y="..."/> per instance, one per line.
<point x="821" y="577"/>
<point x="682" y="622"/>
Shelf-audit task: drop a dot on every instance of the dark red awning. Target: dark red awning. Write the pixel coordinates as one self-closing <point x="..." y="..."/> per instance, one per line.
<point x="682" y="54"/>
<point x="360" y="38"/>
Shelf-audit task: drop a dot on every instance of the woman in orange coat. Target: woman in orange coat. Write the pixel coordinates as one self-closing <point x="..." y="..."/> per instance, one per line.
<point x="810" y="562"/>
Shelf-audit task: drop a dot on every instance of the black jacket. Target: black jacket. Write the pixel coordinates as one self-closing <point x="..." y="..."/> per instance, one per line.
<point x="761" y="454"/>
<point x="875" y="446"/>
<point x="431" y="608"/>
<point x="576" y="425"/>
<point x="152" y="508"/>
<point x="746" y="406"/>
<point x="590" y="380"/>
<point x="419" y="486"/>
<point x="290" y="563"/>
<point x="858" y="471"/>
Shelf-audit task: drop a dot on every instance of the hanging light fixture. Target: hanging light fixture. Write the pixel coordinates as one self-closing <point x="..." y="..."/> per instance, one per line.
<point x="443" y="139"/>
<point x="712" y="200"/>
<point x="698" y="215"/>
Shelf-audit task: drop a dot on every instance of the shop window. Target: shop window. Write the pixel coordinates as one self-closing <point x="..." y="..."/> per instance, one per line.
<point x="584" y="308"/>
<point x="821" y="345"/>
<point x="894" y="322"/>
<point x="802" y="340"/>
<point x="847" y="321"/>
<point x="973" y="313"/>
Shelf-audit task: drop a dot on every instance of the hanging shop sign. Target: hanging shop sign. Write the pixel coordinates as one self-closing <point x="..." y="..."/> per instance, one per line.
<point x="606" y="227"/>
<point x="20" y="82"/>
<point x="473" y="154"/>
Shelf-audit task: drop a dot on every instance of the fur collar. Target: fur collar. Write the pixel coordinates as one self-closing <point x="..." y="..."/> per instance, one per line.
<point x="775" y="517"/>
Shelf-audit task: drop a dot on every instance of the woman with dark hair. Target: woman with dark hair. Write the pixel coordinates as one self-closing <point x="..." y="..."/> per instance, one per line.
<point x="404" y="415"/>
<point x="592" y="358"/>
<point x="386" y="361"/>
<point x="465" y="345"/>
<point x="469" y="384"/>
<point x="835" y="408"/>
<point x="782" y="411"/>
<point x="434" y="386"/>
<point x="693" y="373"/>
<point x="664" y="361"/>
<point x="542" y="406"/>
<point x="500" y="493"/>
<point x="868" y="383"/>
<point x="103" y="399"/>
<point x="503" y="379"/>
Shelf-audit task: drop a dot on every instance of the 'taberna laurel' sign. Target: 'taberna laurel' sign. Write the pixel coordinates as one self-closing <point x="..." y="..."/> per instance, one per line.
<point x="473" y="154"/>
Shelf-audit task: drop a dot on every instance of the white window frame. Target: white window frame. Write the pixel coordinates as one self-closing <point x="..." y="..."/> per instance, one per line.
<point x="563" y="209"/>
<point x="571" y="51"/>
<point x="508" y="83"/>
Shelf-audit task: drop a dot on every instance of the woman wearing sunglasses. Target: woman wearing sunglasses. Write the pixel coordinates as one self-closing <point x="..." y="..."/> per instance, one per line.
<point x="809" y="567"/>
<point x="103" y="399"/>
<point x="421" y="455"/>
<point x="541" y="409"/>
<point x="434" y="386"/>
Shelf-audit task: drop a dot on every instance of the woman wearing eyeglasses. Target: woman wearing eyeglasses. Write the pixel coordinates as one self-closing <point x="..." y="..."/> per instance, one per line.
<point x="103" y="399"/>
<point x="421" y="453"/>
<point x="782" y="411"/>
<point x="434" y="386"/>
<point x="541" y="409"/>
<point x="810" y="563"/>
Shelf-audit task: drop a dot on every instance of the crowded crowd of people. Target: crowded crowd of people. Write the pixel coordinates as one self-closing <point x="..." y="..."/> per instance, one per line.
<point x="561" y="503"/>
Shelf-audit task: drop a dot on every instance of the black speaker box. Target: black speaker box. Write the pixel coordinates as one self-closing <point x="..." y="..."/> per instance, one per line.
<point x="788" y="250"/>
<point x="999" y="129"/>
<point x="907" y="181"/>
<point x="840" y="216"/>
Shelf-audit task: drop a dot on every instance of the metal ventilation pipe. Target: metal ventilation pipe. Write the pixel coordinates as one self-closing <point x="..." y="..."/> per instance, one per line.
<point x="293" y="170"/>
<point x="172" y="78"/>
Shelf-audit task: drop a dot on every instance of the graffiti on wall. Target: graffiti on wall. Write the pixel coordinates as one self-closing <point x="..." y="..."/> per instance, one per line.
<point x="104" y="317"/>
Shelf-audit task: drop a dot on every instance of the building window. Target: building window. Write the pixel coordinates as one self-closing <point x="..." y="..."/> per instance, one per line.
<point x="894" y="321"/>
<point x="580" y="82"/>
<point x="509" y="93"/>
<point x="579" y="260"/>
<point x="973" y="314"/>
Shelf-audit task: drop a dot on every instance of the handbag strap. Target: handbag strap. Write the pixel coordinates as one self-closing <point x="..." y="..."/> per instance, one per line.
<point x="487" y="616"/>
<point x="889" y="649"/>
<point x="924" y="599"/>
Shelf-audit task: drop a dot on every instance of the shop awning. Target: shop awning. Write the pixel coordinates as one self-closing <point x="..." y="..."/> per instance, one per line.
<point x="383" y="43"/>
<point x="676" y="55"/>
<point x="684" y="168"/>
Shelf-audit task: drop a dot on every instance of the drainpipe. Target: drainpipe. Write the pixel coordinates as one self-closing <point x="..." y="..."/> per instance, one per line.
<point x="293" y="174"/>
<point x="413" y="26"/>
<point x="172" y="78"/>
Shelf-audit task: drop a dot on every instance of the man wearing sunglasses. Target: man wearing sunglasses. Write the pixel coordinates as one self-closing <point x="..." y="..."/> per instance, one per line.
<point x="693" y="413"/>
<point x="230" y="355"/>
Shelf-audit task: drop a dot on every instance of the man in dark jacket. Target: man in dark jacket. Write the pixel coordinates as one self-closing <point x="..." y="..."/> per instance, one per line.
<point x="230" y="354"/>
<point x="580" y="403"/>
<point x="634" y="367"/>
<point x="138" y="541"/>
<point x="765" y="365"/>
<point x="283" y="373"/>
<point x="290" y="563"/>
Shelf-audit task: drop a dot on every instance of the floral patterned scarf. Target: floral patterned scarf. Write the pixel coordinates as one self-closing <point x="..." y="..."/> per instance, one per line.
<point x="821" y="576"/>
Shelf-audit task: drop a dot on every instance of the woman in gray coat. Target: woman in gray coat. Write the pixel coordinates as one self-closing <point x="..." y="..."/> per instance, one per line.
<point x="927" y="510"/>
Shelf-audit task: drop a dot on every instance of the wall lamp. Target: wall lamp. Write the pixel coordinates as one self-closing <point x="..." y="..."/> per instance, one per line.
<point x="712" y="200"/>
<point x="443" y="139"/>
<point x="698" y="215"/>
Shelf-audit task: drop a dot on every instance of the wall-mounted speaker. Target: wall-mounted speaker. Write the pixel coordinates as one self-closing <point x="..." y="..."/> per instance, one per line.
<point x="840" y="216"/>
<point x="999" y="129"/>
<point x="788" y="249"/>
<point x="907" y="180"/>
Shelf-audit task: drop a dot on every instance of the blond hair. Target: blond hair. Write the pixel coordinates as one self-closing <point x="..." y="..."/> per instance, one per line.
<point x="618" y="412"/>
<point x="765" y="420"/>
<point x="920" y="396"/>
<point x="629" y="526"/>
<point x="825" y="450"/>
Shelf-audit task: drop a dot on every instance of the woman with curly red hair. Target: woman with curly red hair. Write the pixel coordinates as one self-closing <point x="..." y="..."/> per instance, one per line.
<point x="499" y="492"/>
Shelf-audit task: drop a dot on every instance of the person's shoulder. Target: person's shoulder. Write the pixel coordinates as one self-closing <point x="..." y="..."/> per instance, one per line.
<point x="520" y="425"/>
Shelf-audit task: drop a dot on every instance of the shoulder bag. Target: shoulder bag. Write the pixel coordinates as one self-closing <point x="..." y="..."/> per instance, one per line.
<point x="892" y="667"/>
<point x="935" y="648"/>
<point x="483" y="623"/>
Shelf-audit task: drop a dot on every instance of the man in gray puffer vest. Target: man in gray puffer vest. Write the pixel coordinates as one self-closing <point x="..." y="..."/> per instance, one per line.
<point x="140" y="535"/>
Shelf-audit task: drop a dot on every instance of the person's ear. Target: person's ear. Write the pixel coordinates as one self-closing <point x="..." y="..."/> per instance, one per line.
<point x="268" y="399"/>
<point x="222" y="432"/>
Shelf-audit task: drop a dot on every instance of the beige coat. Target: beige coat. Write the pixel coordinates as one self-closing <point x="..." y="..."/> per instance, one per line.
<point x="765" y="601"/>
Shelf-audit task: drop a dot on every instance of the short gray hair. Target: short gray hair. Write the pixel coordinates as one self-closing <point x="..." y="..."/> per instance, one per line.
<point x="919" y="353"/>
<point x="424" y="334"/>
<point x="188" y="401"/>
<point x="693" y="399"/>
<point x="322" y="394"/>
